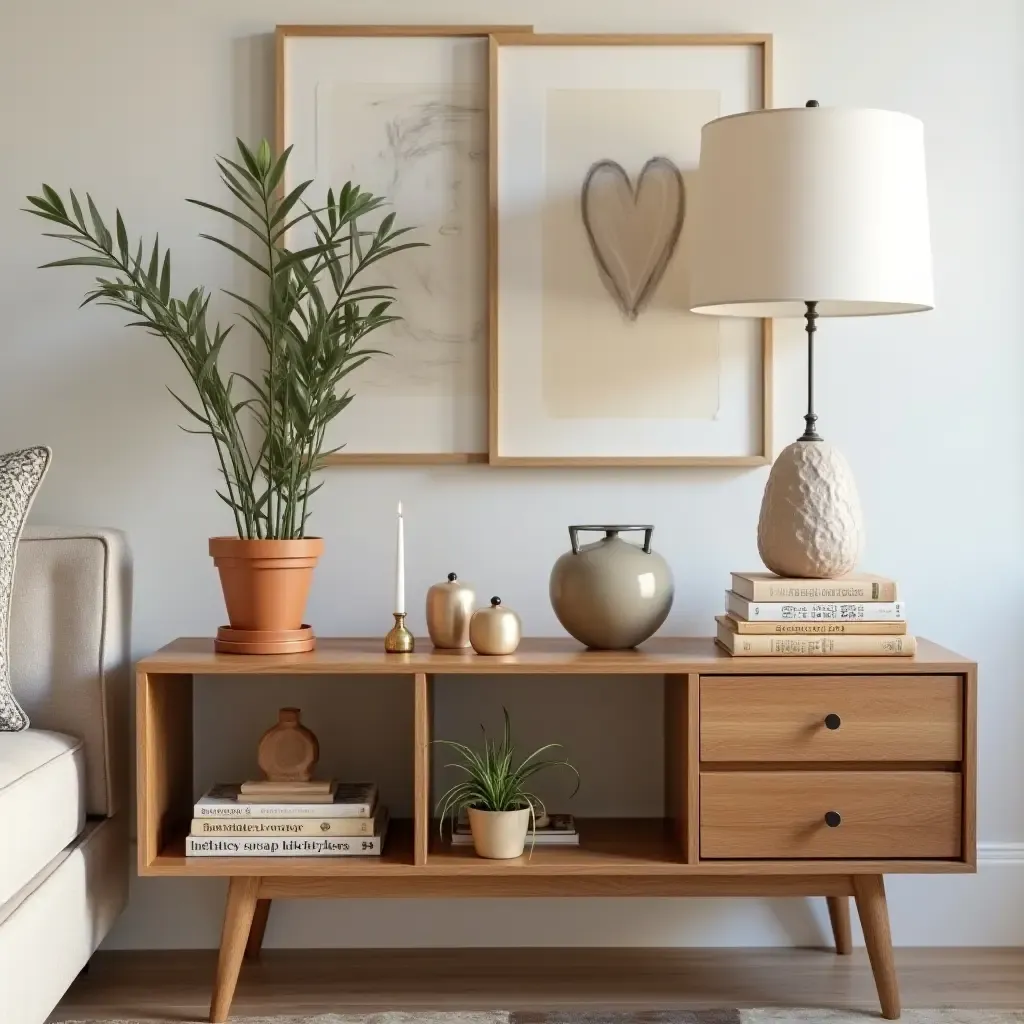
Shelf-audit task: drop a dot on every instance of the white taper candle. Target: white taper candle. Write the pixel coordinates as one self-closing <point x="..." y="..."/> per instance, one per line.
<point x="400" y="564"/>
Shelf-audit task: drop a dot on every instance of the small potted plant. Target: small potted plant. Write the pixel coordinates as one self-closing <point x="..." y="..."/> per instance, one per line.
<point x="502" y="811"/>
<point x="312" y="310"/>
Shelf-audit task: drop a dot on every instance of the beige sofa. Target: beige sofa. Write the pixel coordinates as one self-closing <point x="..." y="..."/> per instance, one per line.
<point x="64" y="781"/>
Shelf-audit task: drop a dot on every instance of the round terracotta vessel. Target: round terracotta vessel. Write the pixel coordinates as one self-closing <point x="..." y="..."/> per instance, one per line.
<point x="265" y="582"/>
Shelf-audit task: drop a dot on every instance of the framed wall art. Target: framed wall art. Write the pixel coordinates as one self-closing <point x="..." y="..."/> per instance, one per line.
<point x="595" y="359"/>
<point x="402" y="111"/>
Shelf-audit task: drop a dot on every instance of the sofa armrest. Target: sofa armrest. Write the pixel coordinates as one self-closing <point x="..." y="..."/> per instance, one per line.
<point x="70" y="648"/>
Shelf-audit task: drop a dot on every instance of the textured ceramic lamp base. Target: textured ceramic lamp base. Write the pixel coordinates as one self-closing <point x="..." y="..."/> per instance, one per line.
<point x="811" y="523"/>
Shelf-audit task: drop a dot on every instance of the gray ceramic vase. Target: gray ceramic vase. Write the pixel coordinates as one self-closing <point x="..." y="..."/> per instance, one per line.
<point x="611" y="595"/>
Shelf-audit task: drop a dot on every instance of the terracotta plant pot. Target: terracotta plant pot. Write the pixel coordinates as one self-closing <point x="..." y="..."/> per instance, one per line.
<point x="265" y="582"/>
<point x="499" y="835"/>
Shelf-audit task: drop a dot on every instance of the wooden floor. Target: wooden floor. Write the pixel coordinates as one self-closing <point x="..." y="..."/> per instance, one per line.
<point x="175" y="986"/>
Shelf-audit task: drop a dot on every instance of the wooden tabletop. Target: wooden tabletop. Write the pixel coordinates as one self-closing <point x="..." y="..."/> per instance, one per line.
<point x="550" y="655"/>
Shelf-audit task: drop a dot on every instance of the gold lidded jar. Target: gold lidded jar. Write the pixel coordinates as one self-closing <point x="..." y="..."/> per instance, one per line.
<point x="495" y="630"/>
<point x="449" y="609"/>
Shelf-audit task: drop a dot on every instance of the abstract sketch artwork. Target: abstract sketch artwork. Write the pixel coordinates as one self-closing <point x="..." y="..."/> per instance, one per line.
<point x="633" y="229"/>
<point x="424" y="148"/>
<point x="402" y="113"/>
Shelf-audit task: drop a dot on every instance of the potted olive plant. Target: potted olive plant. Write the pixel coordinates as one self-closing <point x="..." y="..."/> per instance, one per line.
<point x="502" y="811"/>
<point x="312" y="313"/>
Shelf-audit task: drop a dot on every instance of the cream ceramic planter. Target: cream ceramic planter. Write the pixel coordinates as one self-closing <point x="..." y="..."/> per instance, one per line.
<point x="499" y="835"/>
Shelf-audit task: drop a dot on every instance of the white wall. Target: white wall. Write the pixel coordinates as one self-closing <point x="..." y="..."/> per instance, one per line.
<point x="132" y="100"/>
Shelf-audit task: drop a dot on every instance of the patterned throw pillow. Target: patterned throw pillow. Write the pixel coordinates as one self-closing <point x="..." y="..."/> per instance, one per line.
<point x="21" y="473"/>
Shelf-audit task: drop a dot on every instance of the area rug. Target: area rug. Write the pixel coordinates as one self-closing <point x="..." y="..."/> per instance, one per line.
<point x="768" y="1015"/>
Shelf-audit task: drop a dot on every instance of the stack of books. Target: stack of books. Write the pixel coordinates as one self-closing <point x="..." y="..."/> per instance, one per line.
<point x="855" y="615"/>
<point x="551" y="830"/>
<point x="265" y="819"/>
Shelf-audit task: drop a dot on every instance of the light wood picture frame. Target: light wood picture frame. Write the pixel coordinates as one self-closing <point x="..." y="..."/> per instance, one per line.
<point x="402" y="111"/>
<point x="579" y="287"/>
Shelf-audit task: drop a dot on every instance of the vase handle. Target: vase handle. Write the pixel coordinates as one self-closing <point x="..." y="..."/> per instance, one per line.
<point x="609" y="531"/>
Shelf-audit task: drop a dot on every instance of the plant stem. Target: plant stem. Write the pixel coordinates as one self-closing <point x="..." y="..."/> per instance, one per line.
<point x="273" y="523"/>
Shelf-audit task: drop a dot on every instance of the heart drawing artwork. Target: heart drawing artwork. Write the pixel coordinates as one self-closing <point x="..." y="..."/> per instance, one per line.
<point x="633" y="229"/>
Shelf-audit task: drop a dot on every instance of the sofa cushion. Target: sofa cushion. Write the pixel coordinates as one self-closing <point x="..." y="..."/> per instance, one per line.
<point x="21" y="473"/>
<point x="42" y="802"/>
<point x="70" y="654"/>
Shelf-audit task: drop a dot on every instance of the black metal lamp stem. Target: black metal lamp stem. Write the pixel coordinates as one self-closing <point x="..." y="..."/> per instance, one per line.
<point x="811" y="419"/>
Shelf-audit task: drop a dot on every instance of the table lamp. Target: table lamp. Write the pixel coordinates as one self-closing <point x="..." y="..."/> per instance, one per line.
<point x="812" y="212"/>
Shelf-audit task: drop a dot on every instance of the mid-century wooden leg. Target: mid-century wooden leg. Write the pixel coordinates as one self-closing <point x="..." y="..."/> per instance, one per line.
<point x="869" y="891"/>
<point x="259" y="926"/>
<point x="839" y="915"/>
<point x="238" y="915"/>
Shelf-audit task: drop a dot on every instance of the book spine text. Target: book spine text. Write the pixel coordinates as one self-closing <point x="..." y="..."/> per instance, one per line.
<point x="256" y="827"/>
<point x="821" y="590"/>
<point x="199" y="846"/>
<point x="234" y="809"/>
<point x="825" y="627"/>
<point x="842" y="611"/>
<point x="758" y="646"/>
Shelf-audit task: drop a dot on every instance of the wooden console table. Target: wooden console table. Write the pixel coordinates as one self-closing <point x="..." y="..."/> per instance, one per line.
<point x="783" y="777"/>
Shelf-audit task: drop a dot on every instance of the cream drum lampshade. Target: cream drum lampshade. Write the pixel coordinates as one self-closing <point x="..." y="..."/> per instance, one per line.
<point x="811" y="212"/>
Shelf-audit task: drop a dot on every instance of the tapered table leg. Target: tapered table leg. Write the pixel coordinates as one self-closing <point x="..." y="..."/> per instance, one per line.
<point x="869" y="891"/>
<point x="238" y="915"/>
<point x="259" y="927"/>
<point x="839" y="915"/>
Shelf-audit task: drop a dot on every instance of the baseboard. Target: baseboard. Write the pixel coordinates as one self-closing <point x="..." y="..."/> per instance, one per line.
<point x="982" y="909"/>
<point x="1001" y="853"/>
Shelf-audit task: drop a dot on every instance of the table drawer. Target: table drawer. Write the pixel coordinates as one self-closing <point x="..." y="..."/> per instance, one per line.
<point x="881" y="814"/>
<point x="831" y="718"/>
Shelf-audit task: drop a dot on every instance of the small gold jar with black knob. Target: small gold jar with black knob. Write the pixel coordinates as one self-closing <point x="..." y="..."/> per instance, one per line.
<point x="495" y="630"/>
<point x="449" y="608"/>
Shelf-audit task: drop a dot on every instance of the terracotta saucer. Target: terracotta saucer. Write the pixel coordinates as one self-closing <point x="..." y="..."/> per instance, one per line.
<point x="277" y="647"/>
<point x="264" y="641"/>
<point x="263" y="636"/>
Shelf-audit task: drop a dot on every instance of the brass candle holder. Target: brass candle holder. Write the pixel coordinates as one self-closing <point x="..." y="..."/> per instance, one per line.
<point x="399" y="640"/>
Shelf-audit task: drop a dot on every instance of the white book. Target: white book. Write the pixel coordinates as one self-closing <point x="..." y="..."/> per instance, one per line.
<point x="255" y="828"/>
<point x="543" y="839"/>
<point x="291" y="846"/>
<point x="810" y="611"/>
<point x="351" y="800"/>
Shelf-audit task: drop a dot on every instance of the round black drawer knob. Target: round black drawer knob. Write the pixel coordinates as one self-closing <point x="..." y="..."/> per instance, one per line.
<point x="833" y="722"/>
<point x="833" y="819"/>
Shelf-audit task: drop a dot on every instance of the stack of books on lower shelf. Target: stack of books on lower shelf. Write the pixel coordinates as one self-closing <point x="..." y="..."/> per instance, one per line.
<point x="551" y="830"/>
<point x="856" y="615"/>
<point x="288" y="819"/>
